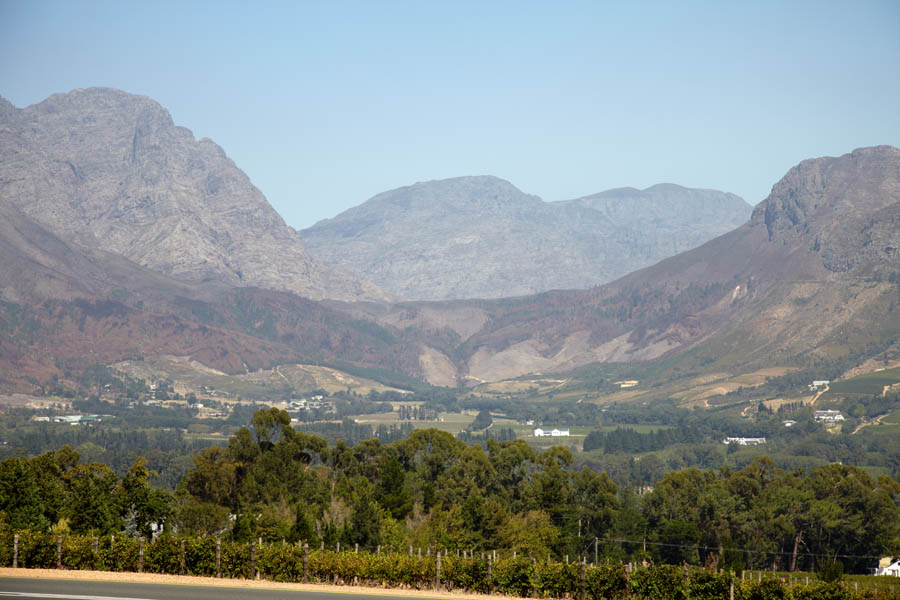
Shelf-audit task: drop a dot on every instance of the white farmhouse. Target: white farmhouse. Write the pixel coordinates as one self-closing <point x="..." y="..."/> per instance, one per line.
<point x="828" y="416"/>
<point x="886" y="567"/>
<point x="744" y="441"/>
<point x="551" y="433"/>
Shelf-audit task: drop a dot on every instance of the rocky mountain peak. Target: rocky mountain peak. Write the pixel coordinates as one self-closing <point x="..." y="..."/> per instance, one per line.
<point x="844" y="208"/>
<point x="815" y="191"/>
<point x="481" y="195"/>
<point x="111" y="170"/>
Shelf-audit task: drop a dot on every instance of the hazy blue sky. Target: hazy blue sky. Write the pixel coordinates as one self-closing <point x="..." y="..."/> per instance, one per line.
<point x="325" y="104"/>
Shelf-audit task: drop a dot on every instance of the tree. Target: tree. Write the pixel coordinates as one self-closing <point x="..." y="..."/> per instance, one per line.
<point x="482" y="421"/>
<point x="94" y="505"/>
<point x="141" y="503"/>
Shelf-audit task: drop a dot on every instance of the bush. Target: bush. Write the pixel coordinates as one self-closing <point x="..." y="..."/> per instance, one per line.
<point x="558" y="580"/>
<point x="280" y="562"/>
<point x="830" y="571"/>
<point x="163" y="555"/>
<point x="37" y="550"/>
<point x="606" y="581"/>
<point x="705" y="585"/>
<point x="513" y="576"/>
<point x="119" y="553"/>
<point x="200" y="556"/>
<point x="767" y="589"/>
<point x="78" y="552"/>
<point x="660" y="582"/>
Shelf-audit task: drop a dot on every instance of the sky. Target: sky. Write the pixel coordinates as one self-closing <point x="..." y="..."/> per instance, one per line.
<point x="325" y="104"/>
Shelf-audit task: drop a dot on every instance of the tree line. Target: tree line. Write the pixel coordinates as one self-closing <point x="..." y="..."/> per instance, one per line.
<point x="432" y="490"/>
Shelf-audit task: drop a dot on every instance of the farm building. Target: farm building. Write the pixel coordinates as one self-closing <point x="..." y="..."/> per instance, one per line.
<point x="886" y="567"/>
<point x="828" y="416"/>
<point x="744" y="441"/>
<point x="551" y="433"/>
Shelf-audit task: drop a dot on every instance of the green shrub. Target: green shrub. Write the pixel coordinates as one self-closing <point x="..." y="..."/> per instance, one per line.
<point x="606" y="581"/>
<point x="280" y="562"/>
<point x="37" y="550"/>
<point x="163" y="555"/>
<point x="465" y="574"/>
<point x="119" y="553"/>
<point x="558" y="580"/>
<point x="513" y="576"/>
<point x="200" y="556"/>
<point x="235" y="560"/>
<point x="705" y="585"/>
<point x="822" y="591"/>
<point x="78" y="552"/>
<point x="658" y="582"/>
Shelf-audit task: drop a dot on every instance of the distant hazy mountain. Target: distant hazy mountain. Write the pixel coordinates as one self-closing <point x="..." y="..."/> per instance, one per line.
<point x="481" y="237"/>
<point x="110" y="170"/>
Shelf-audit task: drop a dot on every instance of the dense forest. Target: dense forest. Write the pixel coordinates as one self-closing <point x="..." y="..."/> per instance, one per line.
<point x="432" y="490"/>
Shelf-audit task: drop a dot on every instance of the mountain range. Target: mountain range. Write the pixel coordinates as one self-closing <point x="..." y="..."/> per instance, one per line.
<point x="481" y="237"/>
<point x="814" y="274"/>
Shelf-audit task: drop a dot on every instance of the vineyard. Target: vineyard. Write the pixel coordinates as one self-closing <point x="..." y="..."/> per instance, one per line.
<point x="489" y="573"/>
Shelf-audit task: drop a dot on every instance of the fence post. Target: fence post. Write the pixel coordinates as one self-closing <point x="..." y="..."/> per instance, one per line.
<point x="534" y="577"/>
<point x="338" y="547"/>
<point x="410" y="550"/>
<point x="252" y="560"/>
<point x="437" y="577"/>
<point x="731" y="587"/>
<point x="356" y="549"/>
<point x="378" y="552"/>
<point x="141" y="555"/>
<point x="182" y="565"/>
<point x="16" y="551"/>
<point x="627" y="585"/>
<point x="583" y="580"/>
<point x="305" y="563"/>
<point x="596" y="560"/>
<point x="490" y="573"/>
<point x="96" y="545"/>
<point x="687" y="581"/>
<point x="59" y="552"/>
<point x="218" y="557"/>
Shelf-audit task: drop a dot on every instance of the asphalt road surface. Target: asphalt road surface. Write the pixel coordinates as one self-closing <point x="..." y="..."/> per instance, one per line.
<point x="110" y="590"/>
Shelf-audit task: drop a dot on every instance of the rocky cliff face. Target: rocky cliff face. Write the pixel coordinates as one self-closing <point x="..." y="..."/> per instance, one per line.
<point x="481" y="237"/>
<point x="846" y="209"/>
<point x="110" y="170"/>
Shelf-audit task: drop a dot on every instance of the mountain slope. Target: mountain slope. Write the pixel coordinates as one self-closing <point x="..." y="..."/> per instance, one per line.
<point x="481" y="237"/>
<point x="66" y="308"/>
<point x="811" y="274"/>
<point x="111" y="170"/>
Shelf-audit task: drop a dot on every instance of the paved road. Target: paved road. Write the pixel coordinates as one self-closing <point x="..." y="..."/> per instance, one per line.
<point x="108" y="590"/>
